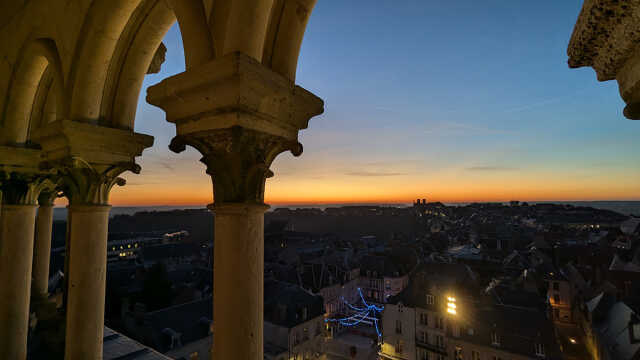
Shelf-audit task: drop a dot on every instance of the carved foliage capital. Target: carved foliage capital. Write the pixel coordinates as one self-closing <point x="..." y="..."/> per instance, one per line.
<point x="238" y="160"/>
<point x="86" y="184"/>
<point x="25" y="188"/>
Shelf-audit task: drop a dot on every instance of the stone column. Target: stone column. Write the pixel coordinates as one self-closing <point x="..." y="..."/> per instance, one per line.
<point x="239" y="115"/>
<point x="16" y="253"/>
<point x="87" y="281"/>
<point x="87" y="160"/>
<point x="42" y="248"/>
<point x="87" y="188"/>
<point x="238" y="282"/>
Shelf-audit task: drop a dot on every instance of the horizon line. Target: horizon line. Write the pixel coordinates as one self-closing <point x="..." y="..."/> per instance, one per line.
<point x="302" y="203"/>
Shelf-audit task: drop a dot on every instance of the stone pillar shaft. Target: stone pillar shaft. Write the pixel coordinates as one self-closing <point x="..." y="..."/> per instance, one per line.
<point x="238" y="290"/>
<point x="16" y="253"/>
<point x="42" y="252"/>
<point x="87" y="281"/>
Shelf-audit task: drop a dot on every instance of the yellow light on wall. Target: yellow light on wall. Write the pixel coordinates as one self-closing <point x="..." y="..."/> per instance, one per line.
<point x="451" y="305"/>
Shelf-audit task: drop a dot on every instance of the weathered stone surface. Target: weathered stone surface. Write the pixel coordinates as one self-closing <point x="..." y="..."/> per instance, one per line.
<point x="235" y="90"/>
<point x="605" y="36"/>
<point x="158" y="59"/>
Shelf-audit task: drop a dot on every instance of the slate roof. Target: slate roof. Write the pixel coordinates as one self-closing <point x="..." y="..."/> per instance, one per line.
<point x="284" y="304"/>
<point x="191" y="320"/>
<point x="518" y="330"/>
<point x="458" y="278"/>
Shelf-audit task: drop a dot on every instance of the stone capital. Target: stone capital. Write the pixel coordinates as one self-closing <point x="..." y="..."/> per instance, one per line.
<point x="24" y="188"/>
<point x="47" y="197"/>
<point x="238" y="160"/>
<point x="239" y="115"/>
<point x="88" y="184"/>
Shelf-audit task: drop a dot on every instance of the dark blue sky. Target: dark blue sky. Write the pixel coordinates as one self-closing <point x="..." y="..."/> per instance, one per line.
<point x="451" y="100"/>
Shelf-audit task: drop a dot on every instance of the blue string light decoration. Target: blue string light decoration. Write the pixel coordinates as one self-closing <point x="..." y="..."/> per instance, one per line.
<point x="366" y="314"/>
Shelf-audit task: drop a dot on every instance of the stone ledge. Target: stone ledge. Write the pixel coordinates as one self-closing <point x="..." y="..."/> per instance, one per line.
<point x="95" y="144"/>
<point x="235" y="90"/>
<point x="19" y="159"/>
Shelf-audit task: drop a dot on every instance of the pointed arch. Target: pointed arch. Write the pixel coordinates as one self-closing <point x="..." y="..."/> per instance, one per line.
<point x="287" y="25"/>
<point x="37" y="57"/>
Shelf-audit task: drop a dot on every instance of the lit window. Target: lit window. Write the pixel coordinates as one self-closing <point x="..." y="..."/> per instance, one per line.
<point x="475" y="355"/>
<point x="129" y="246"/>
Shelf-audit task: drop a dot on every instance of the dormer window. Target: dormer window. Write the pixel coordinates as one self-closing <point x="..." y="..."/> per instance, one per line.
<point x="430" y="299"/>
<point x="495" y="339"/>
<point x="539" y="349"/>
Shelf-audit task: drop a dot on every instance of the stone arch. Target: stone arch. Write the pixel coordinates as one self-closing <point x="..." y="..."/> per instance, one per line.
<point x="103" y="26"/>
<point x="287" y="25"/>
<point x="108" y="76"/>
<point x="129" y="65"/>
<point x="37" y="80"/>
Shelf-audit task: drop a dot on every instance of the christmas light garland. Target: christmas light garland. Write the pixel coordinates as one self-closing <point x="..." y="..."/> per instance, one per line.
<point x="365" y="315"/>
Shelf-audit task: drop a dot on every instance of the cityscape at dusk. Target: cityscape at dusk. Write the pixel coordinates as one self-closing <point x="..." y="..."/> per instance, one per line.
<point x="319" y="180"/>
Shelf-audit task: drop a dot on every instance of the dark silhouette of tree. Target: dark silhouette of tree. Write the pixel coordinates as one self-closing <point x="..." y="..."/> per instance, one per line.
<point x="156" y="289"/>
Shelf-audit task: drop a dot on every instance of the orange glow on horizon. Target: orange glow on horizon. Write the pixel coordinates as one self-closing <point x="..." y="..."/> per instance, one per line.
<point x="195" y="189"/>
<point x="123" y="198"/>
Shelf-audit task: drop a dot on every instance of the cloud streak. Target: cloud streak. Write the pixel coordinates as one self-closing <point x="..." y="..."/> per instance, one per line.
<point x="374" y="173"/>
<point x="490" y="168"/>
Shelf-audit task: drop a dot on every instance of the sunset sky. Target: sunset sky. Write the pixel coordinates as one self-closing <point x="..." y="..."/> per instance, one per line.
<point x="453" y="101"/>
